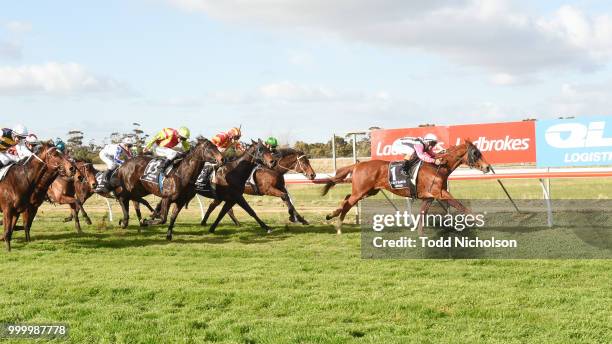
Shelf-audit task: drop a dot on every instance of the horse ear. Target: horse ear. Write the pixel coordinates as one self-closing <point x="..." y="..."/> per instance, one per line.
<point x="468" y="141"/>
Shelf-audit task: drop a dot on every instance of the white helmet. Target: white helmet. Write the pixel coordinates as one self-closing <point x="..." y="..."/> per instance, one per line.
<point x="128" y="141"/>
<point x="20" y="130"/>
<point x="31" y="139"/>
<point x="430" y="137"/>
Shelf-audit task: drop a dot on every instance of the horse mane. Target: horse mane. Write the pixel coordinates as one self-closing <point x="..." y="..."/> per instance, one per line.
<point x="283" y="152"/>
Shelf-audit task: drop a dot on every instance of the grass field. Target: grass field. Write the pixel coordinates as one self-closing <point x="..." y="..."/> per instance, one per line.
<point x="300" y="284"/>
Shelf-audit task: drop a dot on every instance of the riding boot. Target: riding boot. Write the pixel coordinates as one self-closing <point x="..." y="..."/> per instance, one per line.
<point x="106" y="187"/>
<point x="167" y="164"/>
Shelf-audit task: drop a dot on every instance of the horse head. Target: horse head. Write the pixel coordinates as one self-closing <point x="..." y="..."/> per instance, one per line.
<point x="296" y="161"/>
<point x="474" y="159"/>
<point x="48" y="154"/>
<point x="87" y="170"/>
<point x="258" y="152"/>
<point x="207" y="151"/>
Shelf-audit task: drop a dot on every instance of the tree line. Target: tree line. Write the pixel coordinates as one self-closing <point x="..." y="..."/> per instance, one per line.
<point x="79" y="149"/>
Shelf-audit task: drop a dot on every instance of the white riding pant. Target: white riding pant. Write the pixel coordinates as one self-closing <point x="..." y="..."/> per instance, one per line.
<point x="167" y="153"/>
<point x="109" y="161"/>
<point x="6" y="158"/>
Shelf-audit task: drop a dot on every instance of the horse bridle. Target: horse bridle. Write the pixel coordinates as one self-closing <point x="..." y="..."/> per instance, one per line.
<point x="58" y="166"/>
<point x="298" y="162"/>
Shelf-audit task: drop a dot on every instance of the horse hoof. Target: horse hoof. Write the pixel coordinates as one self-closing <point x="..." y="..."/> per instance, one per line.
<point x="269" y="231"/>
<point x="202" y="223"/>
<point x="211" y="230"/>
<point x="169" y="237"/>
<point x="88" y="221"/>
<point x="68" y="219"/>
<point x="305" y="223"/>
<point x="328" y="217"/>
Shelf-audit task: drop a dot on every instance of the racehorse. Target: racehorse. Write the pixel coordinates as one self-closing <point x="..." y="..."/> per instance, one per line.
<point x="25" y="185"/>
<point x="177" y="188"/>
<point x="230" y="180"/>
<point x="271" y="182"/>
<point x="75" y="192"/>
<point x="369" y="177"/>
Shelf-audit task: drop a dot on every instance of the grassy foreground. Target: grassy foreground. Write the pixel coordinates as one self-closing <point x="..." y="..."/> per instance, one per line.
<point x="300" y="284"/>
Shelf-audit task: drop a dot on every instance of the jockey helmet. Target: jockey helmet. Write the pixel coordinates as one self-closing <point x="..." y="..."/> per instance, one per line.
<point x="235" y="133"/>
<point x="128" y="141"/>
<point x="60" y="145"/>
<point x="184" y="132"/>
<point x="31" y="140"/>
<point x="20" y="131"/>
<point x="272" y="142"/>
<point x="431" y="139"/>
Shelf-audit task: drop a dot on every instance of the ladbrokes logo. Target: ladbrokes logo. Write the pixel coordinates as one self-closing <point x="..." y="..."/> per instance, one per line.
<point x="577" y="135"/>
<point x="507" y="143"/>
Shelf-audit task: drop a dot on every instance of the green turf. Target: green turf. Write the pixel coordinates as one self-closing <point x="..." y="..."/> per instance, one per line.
<point x="300" y="284"/>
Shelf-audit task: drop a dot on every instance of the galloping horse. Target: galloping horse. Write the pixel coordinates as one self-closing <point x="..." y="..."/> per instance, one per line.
<point x="25" y="185"/>
<point x="74" y="192"/>
<point x="231" y="178"/>
<point x="177" y="187"/>
<point x="369" y="177"/>
<point x="271" y="182"/>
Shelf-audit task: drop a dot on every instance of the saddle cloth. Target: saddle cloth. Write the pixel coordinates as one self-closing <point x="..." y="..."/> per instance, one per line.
<point x="153" y="172"/>
<point x="204" y="183"/>
<point x="398" y="178"/>
<point x="4" y="170"/>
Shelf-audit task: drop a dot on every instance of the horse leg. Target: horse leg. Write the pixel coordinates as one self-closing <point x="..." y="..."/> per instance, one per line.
<point x="338" y="211"/>
<point x="211" y="207"/>
<point x="423" y="212"/>
<point x="177" y="209"/>
<point x="289" y="202"/>
<point x="233" y="217"/>
<point x="446" y="196"/>
<point x="164" y="208"/>
<point x="244" y="205"/>
<point x="75" y="215"/>
<point x="9" y="220"/>
<point x="85" y="215"/>
<point x="125" y="207"/>
<point x="138" y="215"/>
<point x="226" y="207"/>
<point x="28" y="219"/>
<point x="348" y="204"/>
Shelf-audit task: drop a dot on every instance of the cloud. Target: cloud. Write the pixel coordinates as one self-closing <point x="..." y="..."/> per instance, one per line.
<point x="10" y="50"/>
<point x="494" y="35"/>
<point x="18" y="27"/>
<point x="55" y="78"/>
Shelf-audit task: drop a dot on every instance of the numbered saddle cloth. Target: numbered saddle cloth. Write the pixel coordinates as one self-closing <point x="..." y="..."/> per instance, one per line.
<point x="153" y="171"/>
<point x="251" y="181"/>
<point x="101" y="181"/>
<point x="398" y="179"/>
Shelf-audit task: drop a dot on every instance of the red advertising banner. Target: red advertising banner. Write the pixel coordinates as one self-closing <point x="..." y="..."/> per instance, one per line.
<point x="500" y="143"/>
<point x="386" y="143"/>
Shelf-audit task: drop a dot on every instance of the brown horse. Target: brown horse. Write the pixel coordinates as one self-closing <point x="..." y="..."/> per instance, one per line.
<point x="177" y="188"/>
<point x="369" y="177"/>
<point x="24" y="187"/>
<point x="75" y="192"/>
<point x="230" y="180"/>
<point x="271" y="182"/>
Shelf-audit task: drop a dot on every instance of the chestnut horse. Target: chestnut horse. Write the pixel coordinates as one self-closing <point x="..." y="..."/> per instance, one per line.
<point x="369" y="177"/>
<point x="75" y="192"/>
<point x="177" y="188"/>
<point x="25" y="185"/>
<point x="271" y="182"/>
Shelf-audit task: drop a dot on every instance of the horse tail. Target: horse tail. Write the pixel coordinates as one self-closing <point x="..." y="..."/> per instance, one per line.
<point x="341" y="175"/>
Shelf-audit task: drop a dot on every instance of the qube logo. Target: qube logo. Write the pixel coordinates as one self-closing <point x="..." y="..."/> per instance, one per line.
<point x="578" y="135"/>
<point x="583" y="141"/>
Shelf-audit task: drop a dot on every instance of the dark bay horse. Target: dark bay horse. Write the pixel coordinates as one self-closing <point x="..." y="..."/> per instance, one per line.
<point x="230" y="180"/>
<point x="369" y="177"/>
<point x="75" y="192"/>
<point x="24" y="187"/>
<point x="177" y="188"/>
<point x="271" y="182"/>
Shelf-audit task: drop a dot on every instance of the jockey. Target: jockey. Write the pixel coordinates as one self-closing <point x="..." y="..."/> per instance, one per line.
<point x="418" y="148"/>
<point x="271" y="143"/>
<point x="231" y="138"/>
<point x="162" y="144"/>
<point x="60" y="145"/>
<point x="9" y="138"/>
<point x="111" y="156"/>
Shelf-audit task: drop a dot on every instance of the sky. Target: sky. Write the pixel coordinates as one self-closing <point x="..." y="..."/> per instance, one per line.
<point x="299" y="69"/>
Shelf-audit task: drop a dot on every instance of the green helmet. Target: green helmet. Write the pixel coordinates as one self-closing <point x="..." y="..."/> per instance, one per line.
<point x="60" y="145"/>
<point x="272" y="142"/>
<point x="184" y="132"/>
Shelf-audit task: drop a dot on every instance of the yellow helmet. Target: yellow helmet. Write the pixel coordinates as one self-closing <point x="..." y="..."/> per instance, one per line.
<point x="184" y="132"/>
<point x="235" y="132"/>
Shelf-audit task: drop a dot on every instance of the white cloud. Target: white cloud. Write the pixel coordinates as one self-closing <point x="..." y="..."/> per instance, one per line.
<point x="491" y="34"/>
<point x="10" y="50"/>
<point x="18" y="27"/>
<point x="54" y="79"/>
